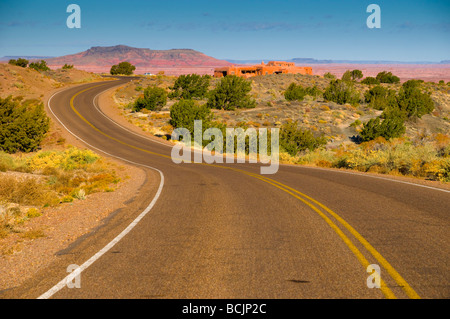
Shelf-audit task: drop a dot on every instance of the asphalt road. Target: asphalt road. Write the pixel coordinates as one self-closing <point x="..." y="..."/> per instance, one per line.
<point x="228" y="232"/>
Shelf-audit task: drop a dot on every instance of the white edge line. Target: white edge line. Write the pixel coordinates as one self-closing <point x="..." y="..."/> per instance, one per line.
<point x="367" y="175"/>
<point x="111" y="244"/>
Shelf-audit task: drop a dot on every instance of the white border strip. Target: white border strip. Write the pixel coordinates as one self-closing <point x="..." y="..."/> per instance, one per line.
<point x="111" y="244"/>
<point x="368" y="175"/>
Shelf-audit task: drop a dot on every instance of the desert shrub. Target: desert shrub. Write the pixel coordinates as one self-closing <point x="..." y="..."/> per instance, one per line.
<point x="230" y="93"/>
<point x="347" y="76"/>
<point x="67" y="66"/>
<point x="67" y="160"/>
<point x="185" y="112"/>
<point x="190" y="86"/>
<point x="388" y="128"/>
<point x="355" y="123"/>
<point x="27" y="191"/>
<point x="295" y="93"/>
<point x="341" y="92"/>
<point x="380" y="98"/>
<point x="19" y="62"/>
<point x="413" y="101"/>
<point x="125" y="68"/>
<point x="23" y="126"/>
<point x="154" y="99"/>
<point x="313" y="91"/>
<point x="329" y="76"/>
<point x="387" y="77"/>
<point x="370" y="80"/>
<point x="356" y="75"/>
<point x="39" y="66"/>
<point x="294" y="139"/>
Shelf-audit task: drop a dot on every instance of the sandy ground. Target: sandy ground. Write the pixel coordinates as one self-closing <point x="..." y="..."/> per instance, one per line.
<point x="23" y="257"/>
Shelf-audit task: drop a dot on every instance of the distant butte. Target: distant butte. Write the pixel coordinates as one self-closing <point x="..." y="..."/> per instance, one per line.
<point x="174" y="61"/>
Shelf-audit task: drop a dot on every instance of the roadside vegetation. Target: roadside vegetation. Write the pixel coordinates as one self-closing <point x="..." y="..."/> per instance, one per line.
<point x="22" y="125"/>
<point x="37" y="169"/>
<point x="31" y="182"/>
<point x="371" y="124"/>
<point x="123" y="68"/>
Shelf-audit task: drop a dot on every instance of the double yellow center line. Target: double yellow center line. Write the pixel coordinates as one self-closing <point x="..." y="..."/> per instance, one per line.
<point x="324" y="212"/>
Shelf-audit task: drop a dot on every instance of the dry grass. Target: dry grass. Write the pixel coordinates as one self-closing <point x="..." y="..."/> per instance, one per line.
<point x="422" y="158"/>
<point x="48" y="178"/>
<point x="33" y="234"/>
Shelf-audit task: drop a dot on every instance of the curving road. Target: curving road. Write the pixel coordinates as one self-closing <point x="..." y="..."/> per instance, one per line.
<point x="203" y="231"/>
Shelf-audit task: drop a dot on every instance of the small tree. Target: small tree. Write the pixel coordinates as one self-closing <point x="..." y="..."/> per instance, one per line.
<point x="294" y="139"/>
<point x="125" y="68"/>
<point x="370" y="80"/>
<point x="356" y="75"/>
<point x="22" y="126"/>
<point x="190" y="86"/>
<point x="19" y="62"/>
<point x="388" y="128"/>
<point x="387" y="77"/>
<point x="67" y="66"/>
<point x="313" y="91"/>
<point x="329" y="76"/>
<point x="347" y="76"/>
<point x="341" y="92"/>
<point x="412" y="101"/>
<point x="380" y="98"/>
<point x="39" y="66"/>
<point x="154" y="99"/>
<point x="231" y="92"/>
<point x="294" y="92"/>
<point x="185" y="112"/>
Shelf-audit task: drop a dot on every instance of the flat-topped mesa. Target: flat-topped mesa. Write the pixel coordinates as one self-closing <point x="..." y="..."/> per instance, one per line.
<point x="273" y="67"/>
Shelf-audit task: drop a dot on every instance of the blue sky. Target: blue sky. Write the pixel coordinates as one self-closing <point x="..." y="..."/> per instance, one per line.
<point x="233" y="29"/>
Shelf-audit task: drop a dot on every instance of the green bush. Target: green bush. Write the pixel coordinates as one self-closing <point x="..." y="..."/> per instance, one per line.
<point x="67" y="66"/>
<point x="39" y="66"/>
<point x="295" y="93"/>
<point x="190" y="86"/>
<point x="387" y="77"/>
<point x="413" y="101"/>
<point x="313" y="91"/>
<point x="352" y="75"/>
<point x="356" y="75"/>
<point x="154" y="99"/>
<point x="19" y="62"/>
<point x="185" y="112"/>
<point x="329" y="76"/>
<point x="380" y="98"/>
<point x="23" y="126"/>
<point x="294" y="139"/>
<point x="341" y="92"/>
<point x="370" y="80"/>
<point x="388" y="128"/>
<point x="347" y="76"/>
<point x="125" y="68"/>
<point x="231" y="92"/>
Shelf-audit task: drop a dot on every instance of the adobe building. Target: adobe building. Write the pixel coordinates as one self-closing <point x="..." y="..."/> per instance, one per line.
<point x="273" y="67"/>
